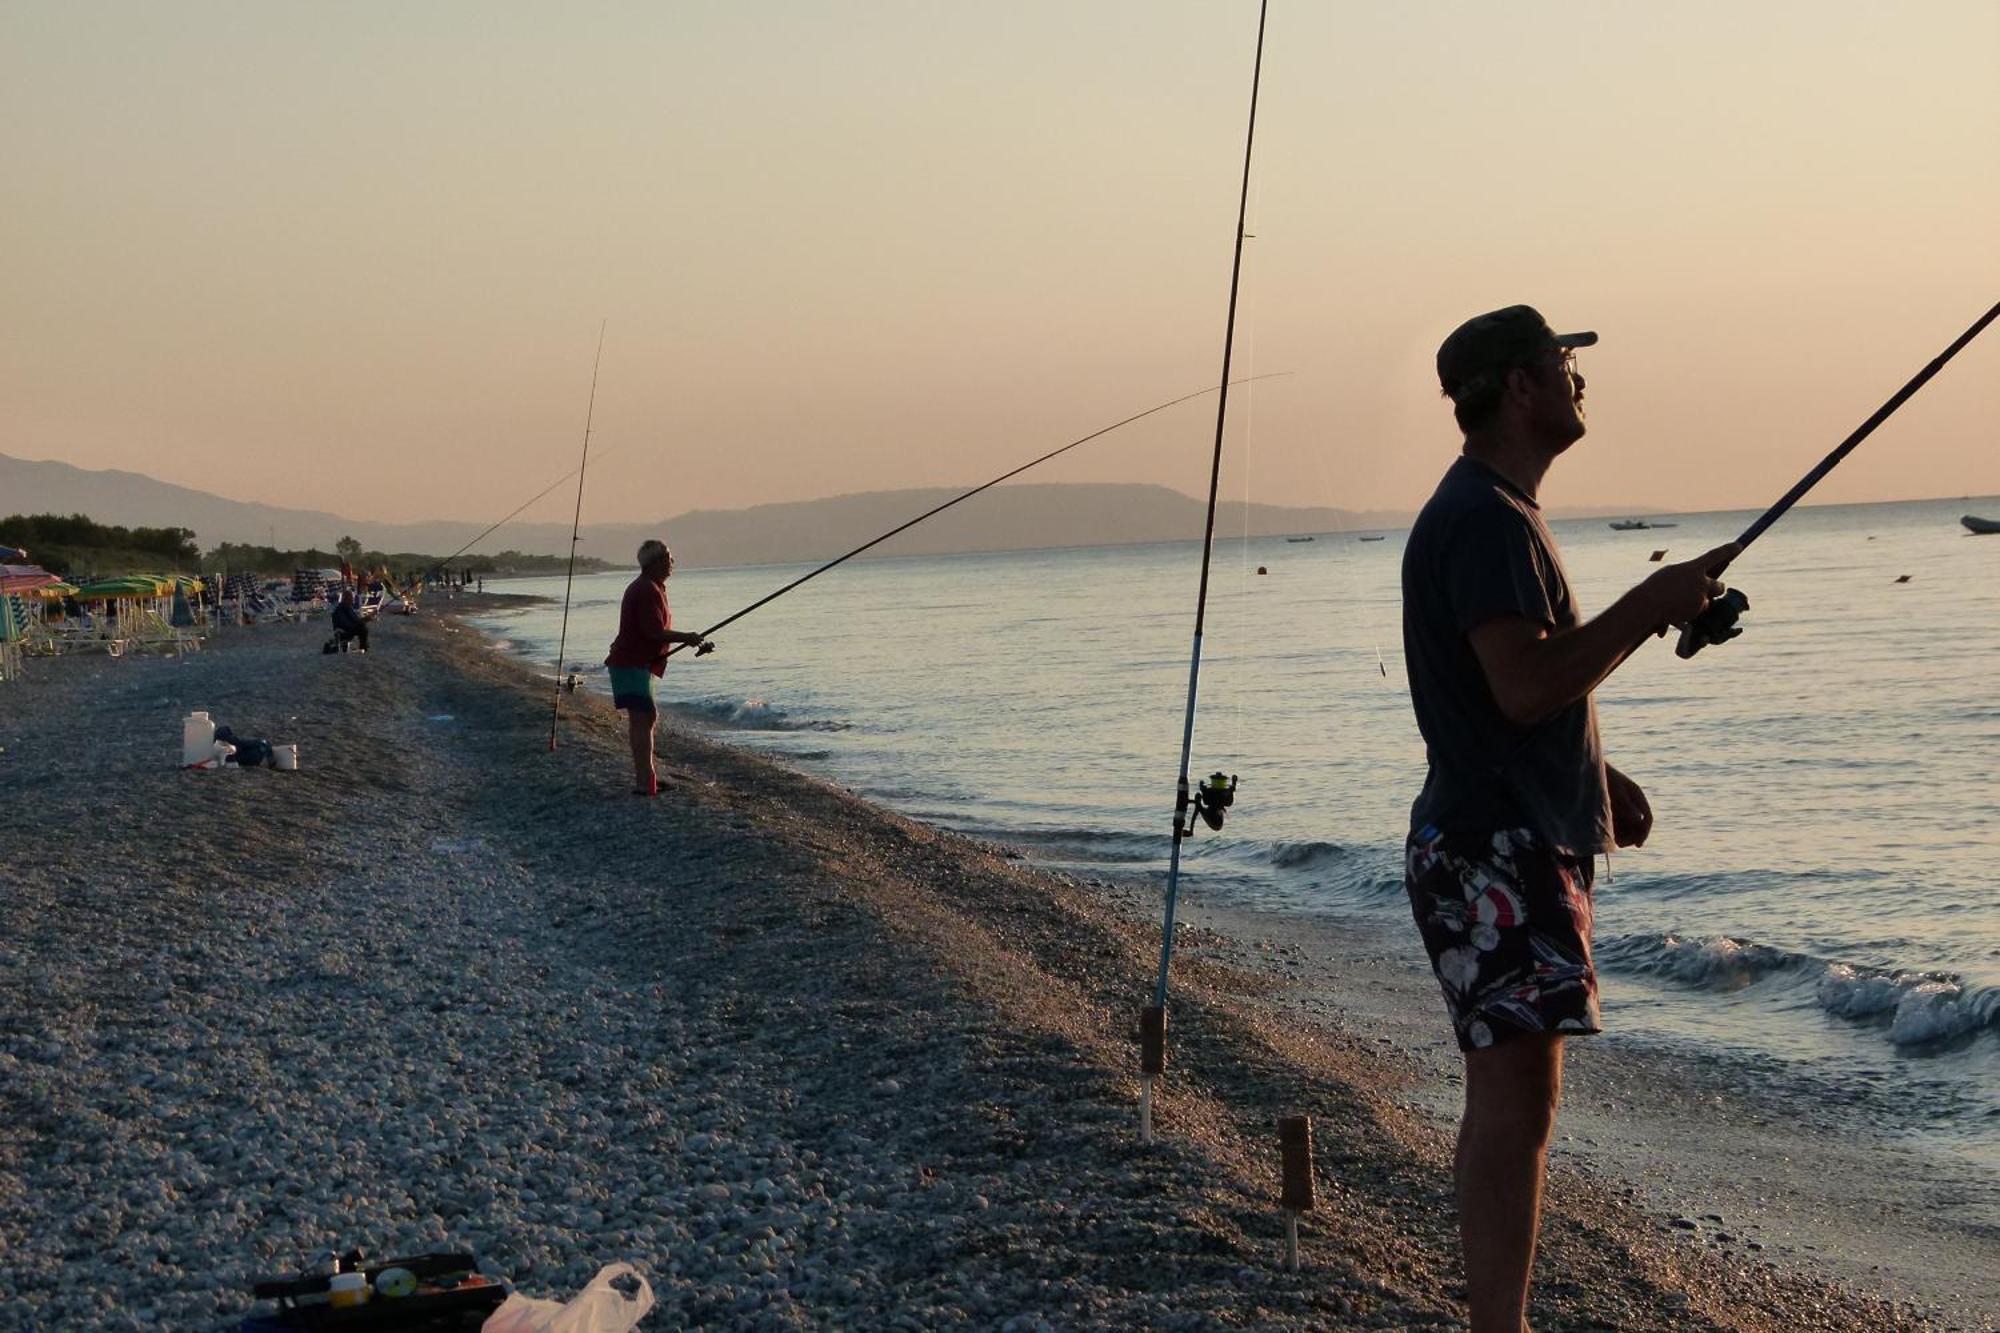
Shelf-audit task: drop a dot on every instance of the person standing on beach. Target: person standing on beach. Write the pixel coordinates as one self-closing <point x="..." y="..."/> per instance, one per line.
<point x="1518" y="800"/>
<point x="638" y="657"/>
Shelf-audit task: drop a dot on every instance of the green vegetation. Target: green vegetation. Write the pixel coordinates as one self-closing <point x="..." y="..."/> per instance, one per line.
<point x="241" y="558"/>
<point x="238" y="557"/>
<point x="520" y="562"/>
<point x="74" y="546"/>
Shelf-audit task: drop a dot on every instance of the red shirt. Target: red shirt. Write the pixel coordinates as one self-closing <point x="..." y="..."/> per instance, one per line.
<point x="642" y="615"/>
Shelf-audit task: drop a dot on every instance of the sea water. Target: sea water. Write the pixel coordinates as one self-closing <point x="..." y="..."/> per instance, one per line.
<point x="1817" y="902"/>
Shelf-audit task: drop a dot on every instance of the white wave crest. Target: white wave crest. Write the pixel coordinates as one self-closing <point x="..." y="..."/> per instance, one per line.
<point x="756" y="715"/>
<point x="1712" y="962"/>
<point x="1922" y="1007"/>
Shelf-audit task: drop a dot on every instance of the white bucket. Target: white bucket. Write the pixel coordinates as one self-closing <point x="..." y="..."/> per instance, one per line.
<point x="285" y="757"/>
<point x="197" y="739"/>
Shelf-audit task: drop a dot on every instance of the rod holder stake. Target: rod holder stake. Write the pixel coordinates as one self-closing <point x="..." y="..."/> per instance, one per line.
<point x="1153" y="1040"/>
<point x="1295" y="1179"/>
<point x="1152" y="1063"/>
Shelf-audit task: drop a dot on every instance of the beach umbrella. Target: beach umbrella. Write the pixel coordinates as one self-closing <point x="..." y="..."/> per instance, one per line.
<point x="122" y="587"/>
<point x="24" y="578"/>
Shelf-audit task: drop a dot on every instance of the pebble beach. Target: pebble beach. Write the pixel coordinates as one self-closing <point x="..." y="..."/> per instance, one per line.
<point x="806" y="1063"/>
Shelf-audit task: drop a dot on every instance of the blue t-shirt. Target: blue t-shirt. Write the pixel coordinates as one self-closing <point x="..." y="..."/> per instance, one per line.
<point x="1480" y="550"/>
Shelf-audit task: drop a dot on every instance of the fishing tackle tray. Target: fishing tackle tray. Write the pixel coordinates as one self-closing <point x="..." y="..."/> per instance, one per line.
<point x="432" y="1308"/>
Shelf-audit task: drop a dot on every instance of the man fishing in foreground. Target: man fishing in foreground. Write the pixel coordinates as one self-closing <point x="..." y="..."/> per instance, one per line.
<point x="1519" y="799"/>
<point x="638" y="657"/>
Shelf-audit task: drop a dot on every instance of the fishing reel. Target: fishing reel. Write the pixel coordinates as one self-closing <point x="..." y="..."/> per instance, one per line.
<point x="1211" y="801"/>
<point x="1716" y="623"/>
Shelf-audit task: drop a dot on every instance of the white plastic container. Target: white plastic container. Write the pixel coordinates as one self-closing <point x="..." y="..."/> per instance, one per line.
<point x="285" y="757"/>
<point x="345" y="1289"/>
<point x="197" y="739"/>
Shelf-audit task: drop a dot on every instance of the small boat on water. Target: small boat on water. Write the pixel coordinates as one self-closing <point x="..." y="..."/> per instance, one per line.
<point x="1298" y="539"/>
<point x="1374" y="539"/>
<point x="1638" y="525"/>
<point x="1983" y="526"/>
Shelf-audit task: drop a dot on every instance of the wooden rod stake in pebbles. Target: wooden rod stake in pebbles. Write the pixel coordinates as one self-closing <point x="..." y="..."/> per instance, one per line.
<point x="1295" y="1151"/>
<point x="1152" y="1063"/>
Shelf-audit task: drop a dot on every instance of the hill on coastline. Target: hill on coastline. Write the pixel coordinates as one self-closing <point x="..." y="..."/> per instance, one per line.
<point x="1017" y="516"/>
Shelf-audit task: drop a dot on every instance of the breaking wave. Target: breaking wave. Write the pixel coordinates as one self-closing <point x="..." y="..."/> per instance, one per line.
<point x="1080" y="844"/>
<point x="1714" y="962"/>
<point x="1303" y="855"/>
<point x="1913" y="1007"/>
<point x="753" y="715"/>
<point x="1921" y="1007"/>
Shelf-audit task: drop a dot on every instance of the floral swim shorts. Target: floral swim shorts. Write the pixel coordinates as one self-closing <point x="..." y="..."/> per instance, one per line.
<point x="1506" y="922"/>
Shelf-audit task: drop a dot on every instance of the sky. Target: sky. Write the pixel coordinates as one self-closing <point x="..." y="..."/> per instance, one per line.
<point x="357" y="257"/>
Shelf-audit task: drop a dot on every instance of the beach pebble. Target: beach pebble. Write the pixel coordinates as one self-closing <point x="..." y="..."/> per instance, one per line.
<point x="452" y="993"/>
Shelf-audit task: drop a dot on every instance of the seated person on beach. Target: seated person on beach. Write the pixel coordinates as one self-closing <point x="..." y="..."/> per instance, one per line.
<point x="347" y="621"/>
<point x="638" y="657"/>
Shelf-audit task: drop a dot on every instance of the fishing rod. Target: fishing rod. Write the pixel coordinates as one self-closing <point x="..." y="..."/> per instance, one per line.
<point x="901" y="527"/>
<point x="1717" y="624"/>
<point x="575" y="528"/>
<point x="1216" y="793"/>
<point x="510" y="515"/>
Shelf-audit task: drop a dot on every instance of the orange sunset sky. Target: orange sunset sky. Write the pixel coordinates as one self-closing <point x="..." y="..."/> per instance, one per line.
<point x="355" y="257"/>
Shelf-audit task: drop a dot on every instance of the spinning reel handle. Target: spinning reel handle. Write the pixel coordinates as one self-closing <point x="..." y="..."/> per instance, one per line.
<point x="1716" y="623"/>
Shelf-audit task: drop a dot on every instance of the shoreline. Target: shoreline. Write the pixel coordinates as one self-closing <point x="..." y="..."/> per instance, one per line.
<point x="805" y="1061"/>
<point x="1702" y="1147"/>
<point x="1727" y="1148"/>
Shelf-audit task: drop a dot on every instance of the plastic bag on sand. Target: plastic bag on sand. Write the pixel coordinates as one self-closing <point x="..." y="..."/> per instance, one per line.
<point x="600" y="1307"/>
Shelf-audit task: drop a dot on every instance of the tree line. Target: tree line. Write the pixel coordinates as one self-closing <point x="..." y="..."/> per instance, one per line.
<point x="75" y="545"/>
<point x="66" y="543"/>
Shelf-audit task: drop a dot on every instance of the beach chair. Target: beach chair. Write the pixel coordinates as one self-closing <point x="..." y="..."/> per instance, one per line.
<point x="51" y="636"/>
<point x="13" y="636"/>
<point x="181" y="623"/>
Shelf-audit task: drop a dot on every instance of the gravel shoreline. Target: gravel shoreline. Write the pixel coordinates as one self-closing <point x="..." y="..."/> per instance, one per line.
<point x="806" y="1063"/>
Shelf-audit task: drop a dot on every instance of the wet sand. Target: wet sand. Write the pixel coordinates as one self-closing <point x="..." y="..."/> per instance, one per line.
<point x="1706" y="1149"/>
<point x="803" y="1061"/>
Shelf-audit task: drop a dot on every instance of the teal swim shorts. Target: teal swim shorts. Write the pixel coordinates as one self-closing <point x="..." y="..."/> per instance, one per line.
<point x="632" y="687"/>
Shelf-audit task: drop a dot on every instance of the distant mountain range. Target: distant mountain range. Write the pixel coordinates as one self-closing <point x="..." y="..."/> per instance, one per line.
<point x="1011" y="517"/>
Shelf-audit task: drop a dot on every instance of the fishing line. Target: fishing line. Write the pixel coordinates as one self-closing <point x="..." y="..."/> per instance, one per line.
<point x="575" y="529"/>
<point x="967" y="495"/>
<point x="1242" y="634"/>
<point x="1347" y="562"/>
<point x="1248" y="436"/>
<point x="573" y="472"/>
<point x="1217" y="794"/>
